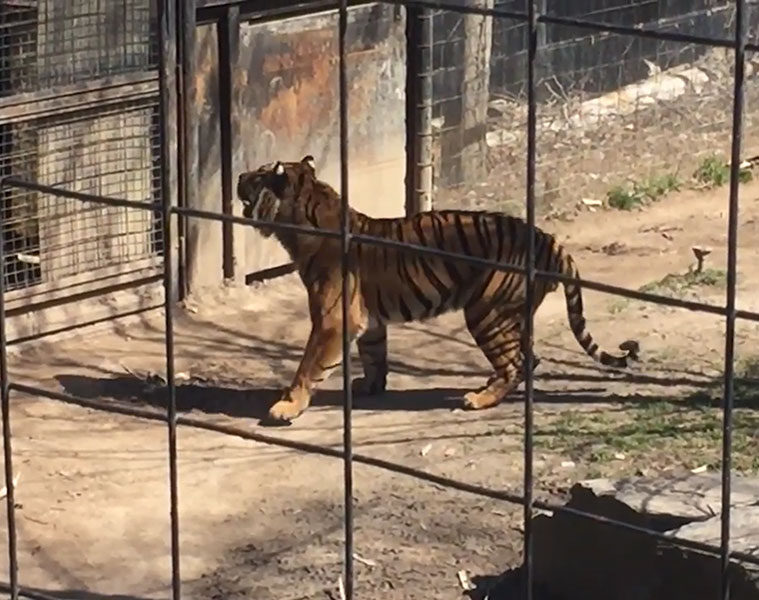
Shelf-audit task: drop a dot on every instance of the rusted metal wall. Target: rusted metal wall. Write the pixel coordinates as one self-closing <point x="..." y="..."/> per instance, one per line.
<point x="285" y="98"/>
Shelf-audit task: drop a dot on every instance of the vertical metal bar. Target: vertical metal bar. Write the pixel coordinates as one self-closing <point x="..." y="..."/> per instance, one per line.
<point x="10" y="498"/>
<point x="732" y="258"/>
<point x="180" y="141"/>
<point x="345" y="229"/>
<point x="412" y="71"/>
<point x="228" y="35"/>
<point x="166" y="40"/>
<point x="419" y="110"/>
<point x="188" y="131"/>
<point x="542" y="33"/>
<point x="529" y="299"/>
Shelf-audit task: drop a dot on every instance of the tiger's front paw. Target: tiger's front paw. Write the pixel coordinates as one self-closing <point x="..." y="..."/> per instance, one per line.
<point x="285" y="410"/>
<point x="362" y="386"/>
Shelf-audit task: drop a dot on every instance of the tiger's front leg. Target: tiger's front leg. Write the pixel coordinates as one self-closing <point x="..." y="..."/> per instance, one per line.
<point x="323" y="352"/>
<point x="322" y="355"/>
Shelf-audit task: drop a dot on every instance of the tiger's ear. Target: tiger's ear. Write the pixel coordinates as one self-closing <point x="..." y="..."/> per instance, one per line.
<point x="279" y="169"/>
<point x="309" y="161"/>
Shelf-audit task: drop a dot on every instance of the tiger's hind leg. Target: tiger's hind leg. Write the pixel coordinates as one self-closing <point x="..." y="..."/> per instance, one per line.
<point x="372" y="349"/>
<point x="499" y="335"/>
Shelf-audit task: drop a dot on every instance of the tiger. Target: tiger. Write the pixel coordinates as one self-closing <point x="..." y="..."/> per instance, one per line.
<point x="388" y="285"/>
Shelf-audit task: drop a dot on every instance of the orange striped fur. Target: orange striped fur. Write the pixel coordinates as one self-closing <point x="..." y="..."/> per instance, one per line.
<point x="388" y="285"/>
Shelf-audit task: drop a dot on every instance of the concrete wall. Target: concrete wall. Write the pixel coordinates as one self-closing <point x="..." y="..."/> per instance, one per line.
<point x="286" y="85"/>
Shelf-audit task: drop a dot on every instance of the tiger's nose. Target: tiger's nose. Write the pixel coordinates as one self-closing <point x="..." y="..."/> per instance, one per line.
<point x="240" y="182"/>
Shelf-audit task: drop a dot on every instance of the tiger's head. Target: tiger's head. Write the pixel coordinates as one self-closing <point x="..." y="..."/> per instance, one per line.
<point x="272" y="191"/>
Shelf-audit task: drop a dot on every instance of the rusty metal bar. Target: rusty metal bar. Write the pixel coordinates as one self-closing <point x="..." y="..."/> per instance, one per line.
<point x="228" y="38"/>
<point x="741" y="19"/>
<point x="166" y="36"/>
<point x="414" y="249"/>
<point x="528" y="332"/>
<point x="345" y="239"/>
<point x="188" y="129"/>
<point x="10" y="498"/>
<point x="446" y="482"/>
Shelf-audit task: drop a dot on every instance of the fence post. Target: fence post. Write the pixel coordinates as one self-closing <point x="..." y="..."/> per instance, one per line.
<point x="228" y="37"/>
<point x="188" y="132"/>
<point x="418" y="110"/>
<point x="10" y="497"/>
<point x="478" y="41"/>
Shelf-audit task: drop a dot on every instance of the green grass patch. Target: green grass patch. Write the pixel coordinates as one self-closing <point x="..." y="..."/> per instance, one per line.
<point x="639" y="193"/>
<point x="676" y="284"/>
<point x="714" y="171"/>
<point x="657" y="434"/>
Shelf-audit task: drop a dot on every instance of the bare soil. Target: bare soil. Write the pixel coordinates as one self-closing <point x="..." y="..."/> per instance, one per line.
<point x="263" y="522"/>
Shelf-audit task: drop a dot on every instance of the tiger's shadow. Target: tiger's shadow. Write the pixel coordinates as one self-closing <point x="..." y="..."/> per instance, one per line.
<point x="238" y="402"/>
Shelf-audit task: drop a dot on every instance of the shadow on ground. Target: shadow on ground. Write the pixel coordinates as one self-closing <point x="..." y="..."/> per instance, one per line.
<point x="44" y="594"/>
<point x="507" y="586"/>
<point x="237" y="402"/>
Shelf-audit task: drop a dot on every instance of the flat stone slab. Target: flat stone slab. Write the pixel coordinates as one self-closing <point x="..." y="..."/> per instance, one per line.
<point x="744" y="531"/>
<point x="687" y="496"/>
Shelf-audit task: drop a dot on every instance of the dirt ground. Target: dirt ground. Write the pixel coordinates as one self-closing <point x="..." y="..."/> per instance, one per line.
<point x="264" y="522"/>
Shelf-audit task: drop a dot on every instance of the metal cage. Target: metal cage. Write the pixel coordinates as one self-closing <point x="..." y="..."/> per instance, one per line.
<point x="27" y="185"/>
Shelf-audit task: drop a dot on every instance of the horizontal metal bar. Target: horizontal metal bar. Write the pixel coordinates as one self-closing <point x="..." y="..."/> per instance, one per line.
<point x="245" y="433"/>
<point x="90" y="323"/>
<point x="115" y="90"/>
<point x="270" y="273"/>
<point x="212" y="216"/>
<point x="251" y="10"/>
<point x="635" y="31"/>
<point x="27" y="593"/>
<point x="585" y="283"/>
<point x="511" y="268"/>
<point x="259" y="12"/>
<point x="401" y="246"/>
<point x="88" y="294"/>
<point x="14" y="182"/>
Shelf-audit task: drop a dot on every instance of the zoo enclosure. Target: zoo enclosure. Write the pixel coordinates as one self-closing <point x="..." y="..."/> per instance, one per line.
<point x="175" y="42"/>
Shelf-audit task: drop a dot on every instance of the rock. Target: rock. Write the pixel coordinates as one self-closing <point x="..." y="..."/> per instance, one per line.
<point x="681" y="495"/>
<point x="744" y="530"/>
<point x="577" y="558"/>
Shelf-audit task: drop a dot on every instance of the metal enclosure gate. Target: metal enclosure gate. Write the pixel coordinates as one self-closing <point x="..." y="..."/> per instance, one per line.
<point x="58" y="191"/>
<point x="78" y="112"/>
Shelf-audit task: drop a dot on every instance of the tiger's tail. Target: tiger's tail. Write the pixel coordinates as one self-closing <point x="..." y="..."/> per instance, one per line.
<point x="573" y="295"/>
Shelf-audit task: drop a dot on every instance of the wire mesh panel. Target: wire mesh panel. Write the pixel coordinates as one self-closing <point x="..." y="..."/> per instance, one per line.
<point x="65" y="68"/>
<point x="107" y="155"/>
<point x="49" y="43"/>
<point x="20" y="218"/>
<point x="632" y="104"/>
